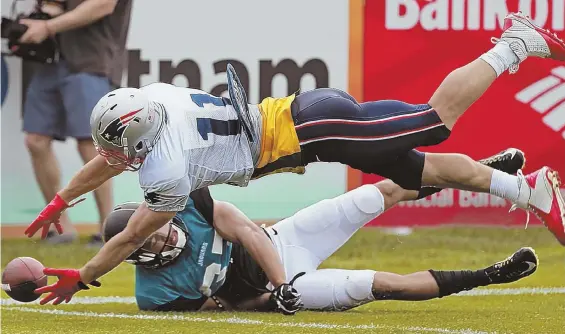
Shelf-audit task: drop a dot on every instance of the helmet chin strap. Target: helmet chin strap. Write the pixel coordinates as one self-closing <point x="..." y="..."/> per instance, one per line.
<point x="123" y="162"/>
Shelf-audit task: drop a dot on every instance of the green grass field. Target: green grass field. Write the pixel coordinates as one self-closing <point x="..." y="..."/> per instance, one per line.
<point x="532" y="308"/>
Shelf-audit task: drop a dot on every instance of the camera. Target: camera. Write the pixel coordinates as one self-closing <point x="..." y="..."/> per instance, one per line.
<point x="46" y="52"/>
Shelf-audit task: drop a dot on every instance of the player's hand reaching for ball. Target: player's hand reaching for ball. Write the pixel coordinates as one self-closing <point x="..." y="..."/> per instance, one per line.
<point x="50" y="215"/>
<point x="68" y="284"/>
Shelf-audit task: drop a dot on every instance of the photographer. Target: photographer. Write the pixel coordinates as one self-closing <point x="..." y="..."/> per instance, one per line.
<point x="91" y="37"/>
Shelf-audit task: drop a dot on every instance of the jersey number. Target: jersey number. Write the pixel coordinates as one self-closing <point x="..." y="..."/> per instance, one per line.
<point x="208" y="125"/>
<point x="215" y="269"/>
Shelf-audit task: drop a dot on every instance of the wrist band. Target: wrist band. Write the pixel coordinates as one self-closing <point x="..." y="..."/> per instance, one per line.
<point x="217" y="301"/>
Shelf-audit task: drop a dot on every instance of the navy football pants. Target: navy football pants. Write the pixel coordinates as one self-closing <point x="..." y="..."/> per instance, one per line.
<point x="375" y="137"/>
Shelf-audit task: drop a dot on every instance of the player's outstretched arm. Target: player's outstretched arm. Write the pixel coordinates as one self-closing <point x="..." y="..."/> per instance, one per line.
<point x="235" y="226"/>
<point x="140" y="226"/>
<point x="92" y="175"/>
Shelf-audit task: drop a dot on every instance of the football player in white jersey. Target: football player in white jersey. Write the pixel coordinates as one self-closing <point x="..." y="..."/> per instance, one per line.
<point x="181" y="140"/>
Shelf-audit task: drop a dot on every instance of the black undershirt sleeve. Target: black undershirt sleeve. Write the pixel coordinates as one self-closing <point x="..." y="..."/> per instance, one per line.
<point x="204" y="204"/>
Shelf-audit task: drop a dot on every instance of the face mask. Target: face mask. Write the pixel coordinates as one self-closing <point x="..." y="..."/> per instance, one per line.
<point x="162" y="247"/>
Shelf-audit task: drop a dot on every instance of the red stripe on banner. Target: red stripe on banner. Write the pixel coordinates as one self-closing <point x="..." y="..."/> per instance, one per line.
<point x="356" y="64"/>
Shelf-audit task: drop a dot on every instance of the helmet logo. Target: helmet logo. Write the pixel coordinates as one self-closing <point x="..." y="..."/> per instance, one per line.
<point x="114" y="131"/>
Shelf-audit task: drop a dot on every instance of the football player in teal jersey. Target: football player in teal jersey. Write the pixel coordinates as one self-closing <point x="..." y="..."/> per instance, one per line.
<point x="183" y="264"/>
<point x="191" y="266"/>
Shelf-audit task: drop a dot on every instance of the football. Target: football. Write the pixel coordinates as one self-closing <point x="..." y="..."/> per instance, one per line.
<point x="21" y="277"/>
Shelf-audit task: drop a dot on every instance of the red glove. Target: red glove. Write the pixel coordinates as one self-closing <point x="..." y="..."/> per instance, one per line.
<point x="50" y="214"/>
<point x="68" y="284"/>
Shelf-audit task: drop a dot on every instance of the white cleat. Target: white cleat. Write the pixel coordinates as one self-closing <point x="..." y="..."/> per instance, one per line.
<point x="527" y="39"/>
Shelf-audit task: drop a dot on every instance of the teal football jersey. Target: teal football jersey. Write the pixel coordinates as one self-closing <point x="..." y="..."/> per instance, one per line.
<point x="199" y="271"/>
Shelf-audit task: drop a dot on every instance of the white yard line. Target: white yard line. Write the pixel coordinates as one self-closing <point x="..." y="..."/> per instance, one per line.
<point x="80" y="301"/>
<point x="12" y="305"/>
<point x="512" y="291"/>
<point x="241" y="321"/>
<point x="472" y="293"/>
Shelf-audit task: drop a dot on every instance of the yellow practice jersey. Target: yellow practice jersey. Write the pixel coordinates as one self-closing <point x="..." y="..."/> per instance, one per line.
<point x="280" y="148"/>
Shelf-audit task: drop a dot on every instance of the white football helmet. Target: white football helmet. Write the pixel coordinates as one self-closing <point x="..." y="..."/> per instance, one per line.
<point x="125" y="126"/>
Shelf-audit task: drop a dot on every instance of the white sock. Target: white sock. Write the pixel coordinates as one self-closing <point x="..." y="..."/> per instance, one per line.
<point x="505" y="186"/>
<point x="500" y="57"/>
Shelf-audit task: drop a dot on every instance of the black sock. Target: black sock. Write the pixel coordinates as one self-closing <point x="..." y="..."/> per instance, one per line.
<point x="450" y="282"/>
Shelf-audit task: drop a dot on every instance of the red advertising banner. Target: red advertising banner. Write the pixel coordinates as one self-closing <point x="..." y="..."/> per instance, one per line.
<point x="411" y="45"/>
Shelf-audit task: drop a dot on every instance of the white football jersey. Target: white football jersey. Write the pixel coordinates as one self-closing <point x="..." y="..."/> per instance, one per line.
<point x="201" y="145"/>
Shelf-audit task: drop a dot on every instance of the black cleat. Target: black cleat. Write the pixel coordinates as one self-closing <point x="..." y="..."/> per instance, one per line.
<point x="521" y="264"/>
<point x="509" y="161"/>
